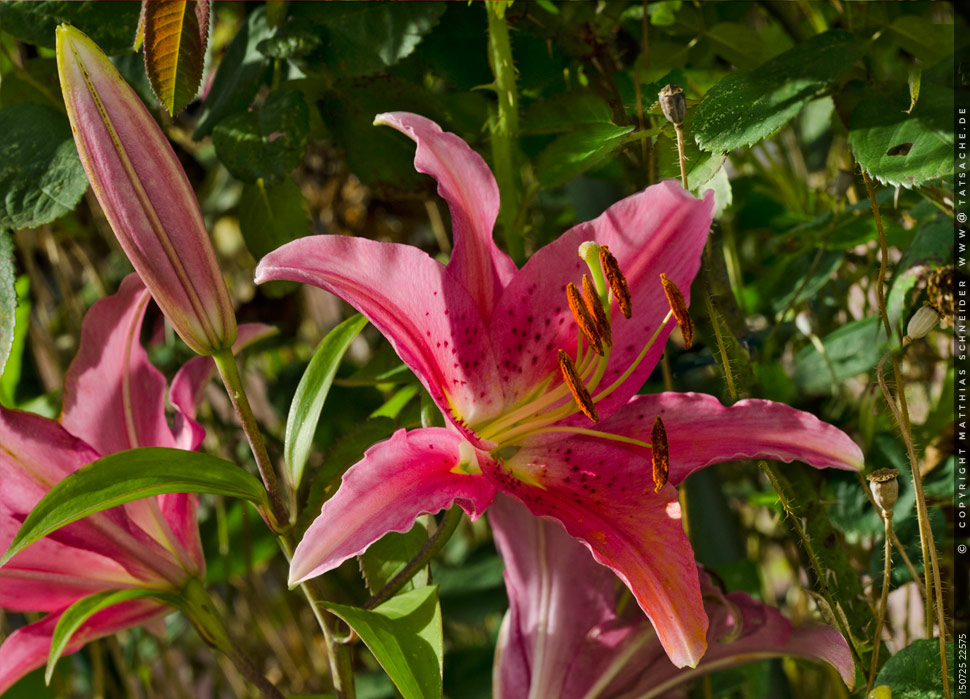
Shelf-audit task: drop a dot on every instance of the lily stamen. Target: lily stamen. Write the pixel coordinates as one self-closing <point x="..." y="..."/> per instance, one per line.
<point x="616" y="280"/>
<point x="599" y="315"/>
<point x="661" y="454"/>
<point x="587" y="324"/>
<point x="679" y="308"/>
<point x="576" y="386"/>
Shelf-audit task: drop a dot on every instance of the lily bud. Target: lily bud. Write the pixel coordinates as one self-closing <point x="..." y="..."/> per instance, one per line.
<point x="924" y="320"/>
<point x="145" y="194"/>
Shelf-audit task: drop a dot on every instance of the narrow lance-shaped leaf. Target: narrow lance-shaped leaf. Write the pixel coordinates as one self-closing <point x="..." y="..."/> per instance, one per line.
<point x="175" y="35"/>
<point x="74" y="616"/>
<point x="132" y="475"/>
<point x="312" y="393"/>
<point x="8" y="298"/>
<point x="405" y="636"/>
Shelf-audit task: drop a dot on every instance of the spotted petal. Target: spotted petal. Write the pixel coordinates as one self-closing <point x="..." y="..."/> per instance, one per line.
<point x="466" y="183"/>
<point x="408" y="475"/>
<point x="431" y="320"/>
<point x="660" y="230"/>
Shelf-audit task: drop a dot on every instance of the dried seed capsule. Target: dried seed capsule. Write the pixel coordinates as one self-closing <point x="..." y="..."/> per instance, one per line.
<point x="924" y="320"/>
<point x="885" y="488"/>
<point x="673" y="104"/>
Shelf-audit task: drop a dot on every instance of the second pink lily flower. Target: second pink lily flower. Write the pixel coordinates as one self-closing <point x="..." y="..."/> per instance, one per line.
<point x="487" y="341"/>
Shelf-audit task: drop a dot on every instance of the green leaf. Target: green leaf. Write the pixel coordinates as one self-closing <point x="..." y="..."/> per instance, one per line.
<point x="405" y="636"/>
<point x="738" y="44"/>
<point x="240" y="74"/>
<point x="388" y="556"/>
<point x="41" y="176"/>
<point x="395" y="404"/>
<point x="576" y="152"/>
<point x="112" y="26"/>
<point x="853" y="349"/>
<point x="363" y="38"/>
<point x="928" y="41"/>
<point x="11" y="370"/>
<point x="915" y="671"/>
<point x="270" y="216"/>
<point x="74" y="616"/>
<point x="744" y="108"/>
<point x="301" y="424"/>
<point x="564" y="111"/>
<point x="932" y="246"/>
<point x="267" y="143"/>
<point x="132" y="475"/>
<point x="37" y="83"/>
<point x="176" y="34"/>
<point x="8" y="298"/>
<point x="902" y="149"/>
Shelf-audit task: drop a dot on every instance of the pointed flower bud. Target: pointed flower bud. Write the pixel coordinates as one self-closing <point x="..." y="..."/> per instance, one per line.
<point x="145" y="194"/>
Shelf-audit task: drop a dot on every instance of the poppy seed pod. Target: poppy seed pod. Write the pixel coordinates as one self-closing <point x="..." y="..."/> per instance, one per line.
<point x="145" y="194"/>
<point x="924" y="320"/>
<point x="673" y="104"/>
<point x="885" y="488"/>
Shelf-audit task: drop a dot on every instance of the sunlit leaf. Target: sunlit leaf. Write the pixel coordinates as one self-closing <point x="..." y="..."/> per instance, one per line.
<point x="176" y="32"/>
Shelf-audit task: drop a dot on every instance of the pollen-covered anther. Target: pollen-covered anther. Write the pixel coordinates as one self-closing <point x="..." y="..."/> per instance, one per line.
<point x="595" y="308"/>
<point x="616" y="280"/>
<point x="584" y="320"/>
<point x="576" y="387"/>
<point x="679" y="307"/>
<point x="661" y="454"/>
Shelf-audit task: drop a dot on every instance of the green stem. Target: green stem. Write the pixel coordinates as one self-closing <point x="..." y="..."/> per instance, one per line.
<point x="430" y="549"/>
<point x="229" y="372"/>
<point x="341" y="668"/>
<point x="887" y="517"/>
<point x="505" y="125"/>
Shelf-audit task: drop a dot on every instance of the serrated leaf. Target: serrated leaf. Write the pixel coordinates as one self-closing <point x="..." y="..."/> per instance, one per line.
<point x="301" y="424"/>
<point x="576" y="152"/>
<point x="268" y="143"/>
<point x="363" y="38"/>
<point x="239" y="75"/>
<point x="405" y="636"/>
<point x="915" y="672"/>
<point x="744" y="108"/>
<point x="110" y="25"/>
<point x="294" y="44"/>
<point x="74" y="616"/>
<point x="41" y="176"/>
<point x="388" y="556"/>
<point x="8" y="298"/>
<point x="270" y="216"/>
<point x="176" y="33"/>
<point x="131" y="475"/>
<point x="903" y="149"/>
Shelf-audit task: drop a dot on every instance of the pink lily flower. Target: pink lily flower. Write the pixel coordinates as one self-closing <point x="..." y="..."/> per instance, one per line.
<point x="114" y="399"/>
<point x="531" y="410"/>
<point x="145" y="194"/>
<point x="547" y="649"/>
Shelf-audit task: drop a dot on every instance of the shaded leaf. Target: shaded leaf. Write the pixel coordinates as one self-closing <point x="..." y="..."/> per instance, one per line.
<point x="565" y="111"/>
<point x="11" y="370"/>
<point x="388" y="556"/>
<point x="903" y="149"/>
<point x="41" y="176"/>
<point x="8" y="298"/>
<point x="744" y="108"/>
<point x="111" y="25"/>
<point x="132" y="475"/>
<point x="176" y="33"/>
<point x="301" y="424"/>
<point x="405" y="636"/>
<point x="576" y="152"/>
<point x="853" y="349"/>
<point x="270" y="216"/>
<point x="267" y="143"/>
<point x="239" y="76"/>
<point x="74" y="616"/>
<point x="928" y="41"/>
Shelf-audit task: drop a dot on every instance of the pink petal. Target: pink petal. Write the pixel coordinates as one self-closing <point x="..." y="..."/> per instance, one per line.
<point x="145" y="194"/>
<point x="466" y="183"/>
<point x="114" y="398"/>
<point x="410" y="474"/>
<point x="557" y="593"/>
<point x="27" y="648"/>
<point x="603" y="494"/>
<point x="50" y="575"/>
<point x="430" y="319"/>
<point x="188" y="382"/>
<point x="660" y="230"/>
<point x="701" y="432"/>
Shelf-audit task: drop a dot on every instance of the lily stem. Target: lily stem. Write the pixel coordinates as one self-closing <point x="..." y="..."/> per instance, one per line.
<point x="432" y="546"/>
<point x="229" y="373"/>
<point x="887" y="517"/>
